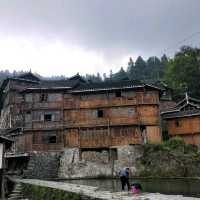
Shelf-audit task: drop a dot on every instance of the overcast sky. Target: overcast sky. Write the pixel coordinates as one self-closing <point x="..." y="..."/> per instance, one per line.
<point x="54" y="37"/>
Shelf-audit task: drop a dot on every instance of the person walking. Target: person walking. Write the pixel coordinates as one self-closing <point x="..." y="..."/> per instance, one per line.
<point x="124" y="178"/>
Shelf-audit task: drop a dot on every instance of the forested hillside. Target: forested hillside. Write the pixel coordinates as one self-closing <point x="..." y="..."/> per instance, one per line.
<point x="181" y="73"/>
<point x="151" y="69"/>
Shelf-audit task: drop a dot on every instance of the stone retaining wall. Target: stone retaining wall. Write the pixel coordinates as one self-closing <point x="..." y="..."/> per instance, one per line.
<point x="98" y="164"/>
<point x="95" y="156"/>
<point x="164" y="160"/>
<point x="71" y="166"/>
<point x="43" y="165"/>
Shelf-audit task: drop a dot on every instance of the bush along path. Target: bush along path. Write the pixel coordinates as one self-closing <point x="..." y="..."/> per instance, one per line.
<point x="173" y="158"/>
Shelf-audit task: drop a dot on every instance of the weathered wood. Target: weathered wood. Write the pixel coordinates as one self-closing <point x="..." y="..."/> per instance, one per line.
<point x="185" y="125"/>
<point x="153" y="134"/>
<point x="95" y="119"/>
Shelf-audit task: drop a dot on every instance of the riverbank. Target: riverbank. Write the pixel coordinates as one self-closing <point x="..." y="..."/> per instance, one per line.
<point x="39" y="189"/>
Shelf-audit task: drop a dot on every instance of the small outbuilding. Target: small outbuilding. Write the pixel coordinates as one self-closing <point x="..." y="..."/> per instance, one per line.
<point x="184" y="120"/>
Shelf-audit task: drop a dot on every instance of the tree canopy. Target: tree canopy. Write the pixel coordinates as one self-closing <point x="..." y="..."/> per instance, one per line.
<point x="183" y="72"/>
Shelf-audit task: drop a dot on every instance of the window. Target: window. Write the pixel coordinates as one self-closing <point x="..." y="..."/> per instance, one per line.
<point x="118" y="94"/>
<point x="48" y="117"/>
<point x="49" y="138"/>
<point x="28" y="117"/>
<point x="28" y="98"/>
<point x="100" y="113"/>
<point x="52" y="139"/>
<point x="177" y="123"/>
<point x="113" y="154"/>
<point x="43" y="97"/>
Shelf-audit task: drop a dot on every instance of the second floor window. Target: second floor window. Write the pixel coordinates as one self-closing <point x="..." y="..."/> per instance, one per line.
<point x="48" y="117"/>
<point x="118" y="94"/>
<point x="100" y="113"/>
<point x="43" y="97"/>
<point x="49" y="138"/>
<point x="177" y="123"/>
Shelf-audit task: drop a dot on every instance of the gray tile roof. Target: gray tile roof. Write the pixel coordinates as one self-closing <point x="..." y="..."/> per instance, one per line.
<point x="187" y="107"/>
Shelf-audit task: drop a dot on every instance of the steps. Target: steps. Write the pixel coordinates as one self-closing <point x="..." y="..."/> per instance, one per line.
<point x="16" y="193"/>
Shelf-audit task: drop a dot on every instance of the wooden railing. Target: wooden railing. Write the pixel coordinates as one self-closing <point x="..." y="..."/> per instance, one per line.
<point x="43" y="105"/>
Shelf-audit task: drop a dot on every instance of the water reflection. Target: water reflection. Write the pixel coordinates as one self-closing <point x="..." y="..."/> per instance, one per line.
<point x="188" y="187"/>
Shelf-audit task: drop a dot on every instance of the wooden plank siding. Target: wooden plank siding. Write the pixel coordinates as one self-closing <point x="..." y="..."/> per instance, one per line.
<point x="120" y="123"/>
<point x="149" y="114"/>
<point x="32" y="141"/>
<point x="109" y="100"/>
<point x="102" y="137"/>
<point x="184" y="120"/>
<point x="44" y="105"/>
<point x="71" y="138"/>
<point x="192" y="138"/>
<point x="130" y="115"/>
<point x="185" y="125"/>
<point x="153" y="134"/>
<point x="23" y="143"/>
<point x="76" y="123"/>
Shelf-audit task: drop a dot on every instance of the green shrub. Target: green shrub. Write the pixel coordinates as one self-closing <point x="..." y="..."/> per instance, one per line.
<point x="174" y="142"/>
<point x="165" y="135"/>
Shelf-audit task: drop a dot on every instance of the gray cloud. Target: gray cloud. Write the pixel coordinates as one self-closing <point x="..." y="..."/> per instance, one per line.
<point x="114" y="27"/>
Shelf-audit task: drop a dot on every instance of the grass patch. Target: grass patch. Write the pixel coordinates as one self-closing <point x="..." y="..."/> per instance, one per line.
<point x="34" y="192"/>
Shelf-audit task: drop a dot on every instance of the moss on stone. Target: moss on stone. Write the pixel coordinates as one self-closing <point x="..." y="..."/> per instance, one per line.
<point x="34" y="192"/>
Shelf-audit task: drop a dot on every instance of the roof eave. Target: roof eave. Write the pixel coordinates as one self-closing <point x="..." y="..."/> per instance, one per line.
<point x="186" y="115"/>
<point x="105" y="89"/>
<point x="27" y="90"/>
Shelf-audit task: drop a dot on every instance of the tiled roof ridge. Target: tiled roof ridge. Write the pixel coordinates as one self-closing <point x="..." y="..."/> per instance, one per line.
<point x="182" y="104"/>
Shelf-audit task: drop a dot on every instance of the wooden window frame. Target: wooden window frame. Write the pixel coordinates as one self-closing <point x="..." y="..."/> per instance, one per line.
<point x="100" y="113"/>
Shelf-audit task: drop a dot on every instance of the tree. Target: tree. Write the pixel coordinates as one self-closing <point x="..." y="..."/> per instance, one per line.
<point x="92" y="78"/>
<point x="111" y="75"/>
<point x="154" y="70"/>
<point x="104" y="77"/>
<point x="183" y="71"/>
<point x="131" y="69"/>
<point x="98" y="77"/>
<point x="140" y="68"/>
<point x="164" y="59"/>
<point x="121" y="75"/>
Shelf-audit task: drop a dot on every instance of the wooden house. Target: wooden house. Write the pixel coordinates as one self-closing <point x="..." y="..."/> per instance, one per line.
<point x="184" y="120"/>
<point x="166" y="101"/>
<point x="43" y="115"/>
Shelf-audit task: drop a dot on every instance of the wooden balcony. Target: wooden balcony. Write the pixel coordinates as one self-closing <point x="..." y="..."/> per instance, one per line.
<point x="47" y="125"/>
<point x="43" y="105"/>
<point x="114" y="102"/>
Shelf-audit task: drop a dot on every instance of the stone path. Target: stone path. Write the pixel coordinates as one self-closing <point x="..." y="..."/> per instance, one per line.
<point x="93" y="192"/>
